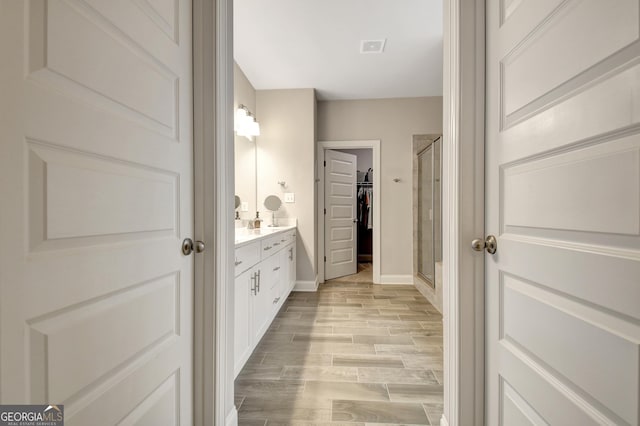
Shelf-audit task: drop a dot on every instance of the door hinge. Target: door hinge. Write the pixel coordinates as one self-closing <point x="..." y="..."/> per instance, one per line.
<point x="325" y="164"/>
<point x="325" y="258"/>
<point x="325" y="211"/>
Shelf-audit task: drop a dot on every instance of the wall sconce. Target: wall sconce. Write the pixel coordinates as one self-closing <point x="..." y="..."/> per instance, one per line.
<point x="245" y="123"/>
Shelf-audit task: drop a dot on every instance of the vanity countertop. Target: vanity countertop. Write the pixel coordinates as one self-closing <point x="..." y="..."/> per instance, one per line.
<point x="246" y="236"/>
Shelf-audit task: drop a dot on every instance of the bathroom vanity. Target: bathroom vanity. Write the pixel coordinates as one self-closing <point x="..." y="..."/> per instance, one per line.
<point x="265" y="273"/>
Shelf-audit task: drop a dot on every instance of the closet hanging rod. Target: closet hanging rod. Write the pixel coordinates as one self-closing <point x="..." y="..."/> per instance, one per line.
<point x="365" y="183"/>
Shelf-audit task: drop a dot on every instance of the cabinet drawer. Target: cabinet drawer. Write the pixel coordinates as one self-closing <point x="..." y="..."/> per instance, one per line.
<point x="270" y="272"/>
<point x="282" y="239"/>
<point x="269" y="246"/>
<point x="290" y="236"/>
<point x="246" y="257"/>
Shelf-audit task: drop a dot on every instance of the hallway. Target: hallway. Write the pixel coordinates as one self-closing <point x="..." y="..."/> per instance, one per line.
<point x="352" y="353"/>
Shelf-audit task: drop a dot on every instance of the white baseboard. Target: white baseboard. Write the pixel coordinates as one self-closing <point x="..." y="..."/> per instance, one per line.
<point x="306" y="285"/>
<point x="396" y="279"/>
<point x="232" y="417"/>
<point x="443" y="421"/>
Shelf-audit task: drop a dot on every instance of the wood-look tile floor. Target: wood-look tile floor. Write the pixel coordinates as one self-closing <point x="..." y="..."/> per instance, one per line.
<point x="353" y="353"/>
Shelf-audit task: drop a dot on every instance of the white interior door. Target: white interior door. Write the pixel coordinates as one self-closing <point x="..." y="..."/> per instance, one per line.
<point x="340" y="226"/>
<point x="563" y="200"/>
<point x="96" y="189"/>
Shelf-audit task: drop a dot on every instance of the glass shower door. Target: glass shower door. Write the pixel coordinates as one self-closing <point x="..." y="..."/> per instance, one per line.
<point x="429" y="211"/>
<point x="426" y="265"/>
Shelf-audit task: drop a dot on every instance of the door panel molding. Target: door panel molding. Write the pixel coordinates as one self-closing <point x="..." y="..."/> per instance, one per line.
<point x="532" y="80"/>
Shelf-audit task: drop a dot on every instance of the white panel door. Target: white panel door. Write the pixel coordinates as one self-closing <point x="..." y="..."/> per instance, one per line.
<point x="563" y="200"/>
<point x="340" y="238"/>
<point x="96" y="189"/>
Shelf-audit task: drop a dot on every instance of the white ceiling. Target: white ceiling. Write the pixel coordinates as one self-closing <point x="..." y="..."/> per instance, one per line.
<point x="284" y="44"/>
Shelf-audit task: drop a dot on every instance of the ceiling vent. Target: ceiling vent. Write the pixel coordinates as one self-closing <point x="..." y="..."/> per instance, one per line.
<point x="372" y="46"/>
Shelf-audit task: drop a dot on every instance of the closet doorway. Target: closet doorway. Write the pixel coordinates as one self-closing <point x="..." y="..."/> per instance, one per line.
<point x="347" y="245"/>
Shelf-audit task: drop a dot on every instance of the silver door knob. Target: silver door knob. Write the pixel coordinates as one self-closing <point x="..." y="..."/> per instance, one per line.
<point x="490" y="244"/>
<point x="188" y="246"/>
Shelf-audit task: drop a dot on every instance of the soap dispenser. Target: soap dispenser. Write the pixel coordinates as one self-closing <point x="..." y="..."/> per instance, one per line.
<point x="257" y="220"/>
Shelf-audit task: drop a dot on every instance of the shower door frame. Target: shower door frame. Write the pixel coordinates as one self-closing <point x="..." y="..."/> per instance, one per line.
<point x="431" y="146"/>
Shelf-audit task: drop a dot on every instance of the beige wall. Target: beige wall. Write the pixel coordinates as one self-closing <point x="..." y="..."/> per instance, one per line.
<point x="245" y="155"/>
<point x="393" y="122"/>
<point x="286" y="152"/>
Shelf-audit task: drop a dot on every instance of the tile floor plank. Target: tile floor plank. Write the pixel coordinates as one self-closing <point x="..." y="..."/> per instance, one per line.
<point x="378" y="412"/>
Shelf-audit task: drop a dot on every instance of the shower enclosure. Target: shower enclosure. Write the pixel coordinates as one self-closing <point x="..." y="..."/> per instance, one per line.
<point x="429" y="211"/>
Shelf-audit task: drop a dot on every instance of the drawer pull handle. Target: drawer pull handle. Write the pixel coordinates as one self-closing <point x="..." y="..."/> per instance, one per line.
<point x="276" y="268"/>
<point x="276" y="244"/>
<point x="276" y="300"/>
<point x="238" y="262"/>
<point x="267" y="248"/>
<point x="282" y="241"/>
<point x="254" y="287"/>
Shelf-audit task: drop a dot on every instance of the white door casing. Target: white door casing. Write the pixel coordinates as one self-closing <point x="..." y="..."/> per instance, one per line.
<point x="563" y="199"/>
<point x="339" y="220"/>
<point x="96" y="178"/>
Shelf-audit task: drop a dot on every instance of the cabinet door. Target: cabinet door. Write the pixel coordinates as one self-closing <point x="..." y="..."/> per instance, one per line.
<point x="261" y="302"/>
<point x="280" y="291"/>
<point x="242" y="343"/>
<point x="291" y="251"/>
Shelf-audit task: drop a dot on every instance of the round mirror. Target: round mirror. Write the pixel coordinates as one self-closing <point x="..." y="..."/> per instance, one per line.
<point x="238" y="202"/>
<point x="272" y="203"/>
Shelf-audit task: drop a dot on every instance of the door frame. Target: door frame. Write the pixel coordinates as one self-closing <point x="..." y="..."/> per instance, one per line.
<point x="214" y="195"/>
<point x="356" y="144"/>
<point x="463" y="210"/>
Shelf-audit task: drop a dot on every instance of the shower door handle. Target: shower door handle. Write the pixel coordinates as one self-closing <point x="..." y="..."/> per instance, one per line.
<point x="490" y="244"/>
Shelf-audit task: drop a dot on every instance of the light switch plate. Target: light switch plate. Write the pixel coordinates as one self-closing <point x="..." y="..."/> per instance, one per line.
<point x="245" y="206"/>
<point x="289" y="197"/>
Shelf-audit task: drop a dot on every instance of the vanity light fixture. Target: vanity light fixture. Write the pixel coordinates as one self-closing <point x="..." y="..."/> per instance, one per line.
<point x="245" y="123"/>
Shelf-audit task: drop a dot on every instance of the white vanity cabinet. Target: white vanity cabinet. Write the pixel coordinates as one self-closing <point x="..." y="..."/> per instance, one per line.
<point x="265" y="275"/>
<point x="242" y="319"/>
